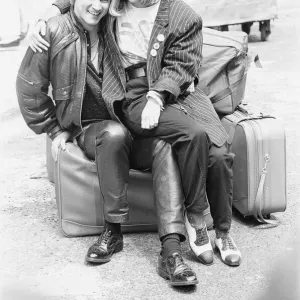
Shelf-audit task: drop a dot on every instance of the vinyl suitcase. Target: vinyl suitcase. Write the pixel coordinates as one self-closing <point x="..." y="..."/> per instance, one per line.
<point x="259" y="168"/>
<point x="80" y="203"/>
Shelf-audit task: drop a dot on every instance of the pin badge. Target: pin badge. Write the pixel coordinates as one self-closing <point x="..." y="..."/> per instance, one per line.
<point x="160" y="37"/>
<point x="153" y="52"/>
<point x="156" y="46"/>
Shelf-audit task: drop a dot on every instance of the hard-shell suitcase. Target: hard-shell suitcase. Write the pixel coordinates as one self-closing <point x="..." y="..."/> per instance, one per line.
<point x="259" y="168"/>
<point x="80" y="203"/>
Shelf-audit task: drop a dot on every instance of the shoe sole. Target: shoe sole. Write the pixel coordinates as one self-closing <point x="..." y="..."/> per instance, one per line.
<point x="225" y="262"/>
<point x="164" y="275"/>
<point x="118" y="248"/>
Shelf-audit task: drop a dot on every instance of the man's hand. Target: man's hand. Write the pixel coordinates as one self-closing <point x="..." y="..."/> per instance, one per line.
<point x="150" y="114"/>
<point x="36" y="42"/>
<point x="60" y="142"/>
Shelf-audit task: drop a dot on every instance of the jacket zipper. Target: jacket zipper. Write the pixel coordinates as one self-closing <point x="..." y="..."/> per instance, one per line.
<point x="83" y="86"/>
<point x="23" y="78"/>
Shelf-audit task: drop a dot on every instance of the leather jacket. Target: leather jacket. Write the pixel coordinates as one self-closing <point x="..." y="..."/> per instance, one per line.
<point x="64" y="66"/>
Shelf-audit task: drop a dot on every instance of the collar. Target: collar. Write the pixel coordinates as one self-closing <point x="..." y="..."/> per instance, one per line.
<point x="162" y="17"/>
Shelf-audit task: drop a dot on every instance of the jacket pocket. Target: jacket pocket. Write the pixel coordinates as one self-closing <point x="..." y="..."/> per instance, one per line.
<point x="62" y="94"/>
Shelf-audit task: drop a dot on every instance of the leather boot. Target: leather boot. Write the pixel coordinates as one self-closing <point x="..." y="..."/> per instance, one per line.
<point x="168" y="193"/>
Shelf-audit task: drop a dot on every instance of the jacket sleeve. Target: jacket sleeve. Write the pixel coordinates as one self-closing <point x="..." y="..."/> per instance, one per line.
<point x="181" y="61"/>
<point x="37" y="108"/>
<point x="62" y="5"/>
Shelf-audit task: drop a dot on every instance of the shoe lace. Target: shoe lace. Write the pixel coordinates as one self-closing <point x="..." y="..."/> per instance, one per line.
<point x="178" y="260"/>
<point x="104" y="237"/>
<point x="201" y="237"/>
<point x="182" y="267"/>
<point x="227" y="243"/>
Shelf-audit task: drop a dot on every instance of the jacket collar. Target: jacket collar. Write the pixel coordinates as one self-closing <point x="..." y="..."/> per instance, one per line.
<point x="162" y="17"/>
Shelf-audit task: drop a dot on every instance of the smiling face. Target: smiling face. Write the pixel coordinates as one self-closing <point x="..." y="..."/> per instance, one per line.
<point x="90" y="12"/>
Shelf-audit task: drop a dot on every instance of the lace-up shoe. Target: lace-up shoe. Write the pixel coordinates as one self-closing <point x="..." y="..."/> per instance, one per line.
<point x="173" y="268"/>
<point x="107" y="244"/>
<point x="200" y="243"/>
<point x="230" y="254"/>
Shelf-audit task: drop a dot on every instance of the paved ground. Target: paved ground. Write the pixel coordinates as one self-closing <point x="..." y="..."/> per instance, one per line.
<point x="37" y="262"/>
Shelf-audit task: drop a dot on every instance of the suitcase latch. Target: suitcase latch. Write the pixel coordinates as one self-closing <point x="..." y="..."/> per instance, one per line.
<point x="266" y="158"/>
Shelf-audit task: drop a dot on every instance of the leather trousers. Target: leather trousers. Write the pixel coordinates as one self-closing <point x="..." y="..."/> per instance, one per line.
<point x="110" y="144"/>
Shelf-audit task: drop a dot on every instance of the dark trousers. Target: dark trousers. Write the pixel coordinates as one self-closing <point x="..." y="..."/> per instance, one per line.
<point x="110" y="144"/>
<point x="205" y="169"/>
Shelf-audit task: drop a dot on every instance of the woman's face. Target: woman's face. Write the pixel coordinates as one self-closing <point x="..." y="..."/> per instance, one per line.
<point x="90" y="12"/>
<point x="142" y="3"/>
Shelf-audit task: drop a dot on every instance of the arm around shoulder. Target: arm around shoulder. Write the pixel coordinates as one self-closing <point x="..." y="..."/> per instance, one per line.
<point x="62" y="5"/>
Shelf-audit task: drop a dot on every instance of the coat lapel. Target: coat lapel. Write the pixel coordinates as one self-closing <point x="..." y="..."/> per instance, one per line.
<point x="115" y="52"/>
<point x="159" y="29"/>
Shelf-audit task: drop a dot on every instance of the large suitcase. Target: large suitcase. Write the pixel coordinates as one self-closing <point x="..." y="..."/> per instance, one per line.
<point x="259" y="168"/>
<point x="80" y="203"/>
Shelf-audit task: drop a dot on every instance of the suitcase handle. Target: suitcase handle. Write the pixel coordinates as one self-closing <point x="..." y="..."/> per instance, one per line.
<point x="248" y="116"/>
<point x="259" y="196"/>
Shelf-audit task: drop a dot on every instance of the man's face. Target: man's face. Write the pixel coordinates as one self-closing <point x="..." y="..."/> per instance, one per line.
<point x="90" y="12"/>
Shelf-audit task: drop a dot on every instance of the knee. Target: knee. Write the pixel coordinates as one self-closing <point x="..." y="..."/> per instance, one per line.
<point x="198" y="135"/>
<point x="114" y="133"/>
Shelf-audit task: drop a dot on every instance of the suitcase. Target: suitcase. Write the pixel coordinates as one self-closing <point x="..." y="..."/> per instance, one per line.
<point x="259" y="167"/>
<point x="80" y="203"/>
<point x="223" y="72"/>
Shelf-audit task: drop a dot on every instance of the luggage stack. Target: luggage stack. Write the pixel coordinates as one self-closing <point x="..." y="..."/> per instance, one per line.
<point x="257" y="139"/>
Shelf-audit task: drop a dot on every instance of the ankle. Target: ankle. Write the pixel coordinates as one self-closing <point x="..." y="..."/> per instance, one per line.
<point x="113" y="227"/>
<point x="196" y="219"/>
<point x="170" y="244"/>
<point x="220" y="233"/>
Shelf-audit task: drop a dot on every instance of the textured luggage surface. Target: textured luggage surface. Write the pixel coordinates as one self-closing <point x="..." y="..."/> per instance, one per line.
<point x="259" y="168"/>
<point x="223" y="72"/>
<point x="80" y="203"/>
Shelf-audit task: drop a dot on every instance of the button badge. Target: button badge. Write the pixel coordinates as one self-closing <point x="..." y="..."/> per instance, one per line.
<point x="153" y="52"/>
<point x="160" y="37"/>
<point x="156" y="46"/>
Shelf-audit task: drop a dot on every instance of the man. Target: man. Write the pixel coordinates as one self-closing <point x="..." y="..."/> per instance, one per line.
<point x="155" y="54"/>
<point x="73" y="66"/>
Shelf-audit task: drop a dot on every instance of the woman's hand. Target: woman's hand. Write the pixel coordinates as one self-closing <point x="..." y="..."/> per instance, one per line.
<point x="150" y="115"/>
<point x="60" y="142"/>
<point x="36" y="42"/>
